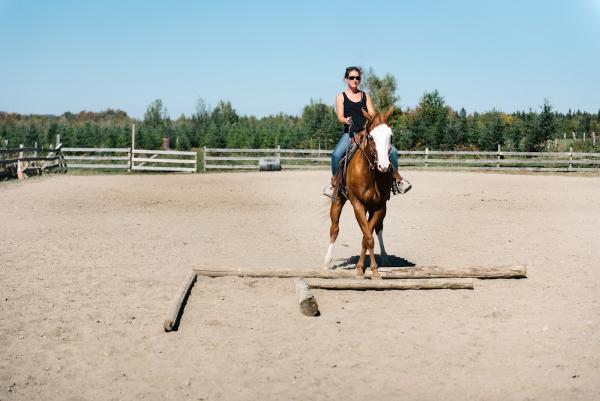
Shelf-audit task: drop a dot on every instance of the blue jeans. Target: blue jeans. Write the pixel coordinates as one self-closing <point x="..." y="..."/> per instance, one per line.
<point x="340" y="151"/>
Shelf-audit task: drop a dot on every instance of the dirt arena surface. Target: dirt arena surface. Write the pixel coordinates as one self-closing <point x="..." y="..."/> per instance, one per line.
<point x="90" y="265"/>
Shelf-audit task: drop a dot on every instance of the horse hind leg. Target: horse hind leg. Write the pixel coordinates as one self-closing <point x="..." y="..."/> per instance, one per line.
<point x="385" y="260"/>
<point x="375" y="221"/>
<point x="334" y="213"/>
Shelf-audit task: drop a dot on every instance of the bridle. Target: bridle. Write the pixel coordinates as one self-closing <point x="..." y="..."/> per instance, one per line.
<point x="368" y="141"/>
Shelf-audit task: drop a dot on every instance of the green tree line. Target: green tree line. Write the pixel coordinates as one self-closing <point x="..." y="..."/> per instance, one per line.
<point x="432" y="124"/>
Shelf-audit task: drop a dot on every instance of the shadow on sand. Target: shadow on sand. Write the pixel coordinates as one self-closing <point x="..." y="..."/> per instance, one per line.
<point x="393" y="261"/>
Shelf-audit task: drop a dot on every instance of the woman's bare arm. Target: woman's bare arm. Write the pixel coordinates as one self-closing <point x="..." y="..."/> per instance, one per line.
<point x="339" y="110"/>
<point x="370" y="108"/>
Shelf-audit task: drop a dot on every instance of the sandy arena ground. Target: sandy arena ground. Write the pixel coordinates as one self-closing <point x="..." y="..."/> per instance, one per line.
<point x="89" y="265"/>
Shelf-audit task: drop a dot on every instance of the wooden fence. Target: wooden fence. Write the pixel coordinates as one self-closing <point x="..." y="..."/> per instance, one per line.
<point x="227" y="159"/>
<point x="131" y="159"/>
<point x="25" y="161"/>
<point x="237" y="159"/>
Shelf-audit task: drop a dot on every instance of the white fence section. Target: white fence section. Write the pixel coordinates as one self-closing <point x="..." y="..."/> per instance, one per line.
<point x="238" y="159"/>
<point x="164" y="160"/>
<point x="109" y="158"/>
<point x="128" y="159"/>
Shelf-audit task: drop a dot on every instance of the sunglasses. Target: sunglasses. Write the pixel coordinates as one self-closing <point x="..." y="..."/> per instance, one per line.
<point x="353" y="77"/>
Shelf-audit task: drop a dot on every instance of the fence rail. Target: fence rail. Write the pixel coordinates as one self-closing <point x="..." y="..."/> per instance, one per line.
<point x="34" y="160"/>
<point x="246" y="159"/>
<point x="128" y="159"/>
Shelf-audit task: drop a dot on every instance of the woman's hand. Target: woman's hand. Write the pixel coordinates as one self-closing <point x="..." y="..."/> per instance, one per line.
<point x="349" y="120"/>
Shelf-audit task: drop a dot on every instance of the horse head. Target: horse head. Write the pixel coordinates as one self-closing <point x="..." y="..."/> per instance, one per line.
<point x="379" y="136"/>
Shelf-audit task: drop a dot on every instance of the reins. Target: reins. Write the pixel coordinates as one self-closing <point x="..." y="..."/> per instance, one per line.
<point x="366" y="138"/>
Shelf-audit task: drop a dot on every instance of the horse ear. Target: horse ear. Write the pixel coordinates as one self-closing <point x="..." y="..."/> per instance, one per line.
<point x="366" y="114"/>
<point x="388" y="114"/>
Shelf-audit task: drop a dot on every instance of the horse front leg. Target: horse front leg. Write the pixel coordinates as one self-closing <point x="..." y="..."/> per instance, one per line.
<point x="376" y="221"/>
<point x="367" y="241"/>
<point x="334" y="213"/>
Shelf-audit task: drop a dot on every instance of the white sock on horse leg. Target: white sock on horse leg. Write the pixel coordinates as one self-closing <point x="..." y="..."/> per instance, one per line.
<point x="329" y="255"/>
<point x="384" y="256"/>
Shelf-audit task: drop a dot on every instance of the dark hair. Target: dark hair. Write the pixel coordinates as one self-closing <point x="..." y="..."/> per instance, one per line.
<point x="350" y="69"/>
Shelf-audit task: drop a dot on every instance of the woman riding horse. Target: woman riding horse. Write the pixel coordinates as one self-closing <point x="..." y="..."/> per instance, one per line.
<point x="349" y="105"/>
<point x="368" y="185"/>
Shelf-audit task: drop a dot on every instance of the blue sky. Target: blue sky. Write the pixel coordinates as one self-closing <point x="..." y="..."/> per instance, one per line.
<point x="268" y="57"/>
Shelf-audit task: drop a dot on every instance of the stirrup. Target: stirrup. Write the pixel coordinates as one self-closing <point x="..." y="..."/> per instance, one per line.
<point x="401" y="187"/>
<point x="328" y="190"/>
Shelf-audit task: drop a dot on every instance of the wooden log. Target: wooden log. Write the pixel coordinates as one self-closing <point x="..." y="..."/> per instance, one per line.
<point x="176" y="310"/>
<point x="386" y="272"/>
<point x="482" y="272"/>
<point x="308" y="303"/>
<point x="401" y="284"/>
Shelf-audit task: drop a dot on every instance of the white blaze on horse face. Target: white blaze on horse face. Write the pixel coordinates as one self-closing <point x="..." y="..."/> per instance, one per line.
<point x="382" y="135"/>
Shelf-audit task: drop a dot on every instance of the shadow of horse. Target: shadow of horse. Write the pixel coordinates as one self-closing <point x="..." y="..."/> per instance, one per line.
<point x="350" y="263"/>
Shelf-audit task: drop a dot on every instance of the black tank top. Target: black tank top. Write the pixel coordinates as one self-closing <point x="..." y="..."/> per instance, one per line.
<point x="353" y="109"/>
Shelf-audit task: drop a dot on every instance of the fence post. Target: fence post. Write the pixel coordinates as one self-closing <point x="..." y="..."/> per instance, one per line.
<point x="130" y="161"/>
<point x="498" y="157"/>
<point x="131" y="149"/>
<point x="426" y="157"/>
<point x="204" y="160"/>
<point x="574" y="136"/>
<point x="278" y="153"/>
<point x="57" y="140"/>
<point x="594" y="138"/>
<point x="20" y="174"/>
<point x="570" y="158"/>
<point x="584" y="136"/>
<point x="35" y="151"/>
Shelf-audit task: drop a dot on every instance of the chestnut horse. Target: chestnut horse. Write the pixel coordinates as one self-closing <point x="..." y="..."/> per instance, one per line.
<point x="368" y="186"/>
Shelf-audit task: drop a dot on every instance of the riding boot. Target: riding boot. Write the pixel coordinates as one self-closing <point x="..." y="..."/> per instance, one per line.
<point x="399" y="184"/>
<point x="331" y="190"/>
<point x="336" y="184"/>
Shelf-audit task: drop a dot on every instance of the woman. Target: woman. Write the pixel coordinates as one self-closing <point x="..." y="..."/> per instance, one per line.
<point x="348" y="105"/>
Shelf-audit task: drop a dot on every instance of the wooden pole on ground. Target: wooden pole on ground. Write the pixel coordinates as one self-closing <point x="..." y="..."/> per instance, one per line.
<point x="307" y="301"/>
<point x="416" y="272"/>
<point x="175" y="311"/>
<point x="407" y="284"/>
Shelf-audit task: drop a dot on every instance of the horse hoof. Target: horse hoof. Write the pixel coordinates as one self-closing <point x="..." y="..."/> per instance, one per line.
<point x="375" y="275"/>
